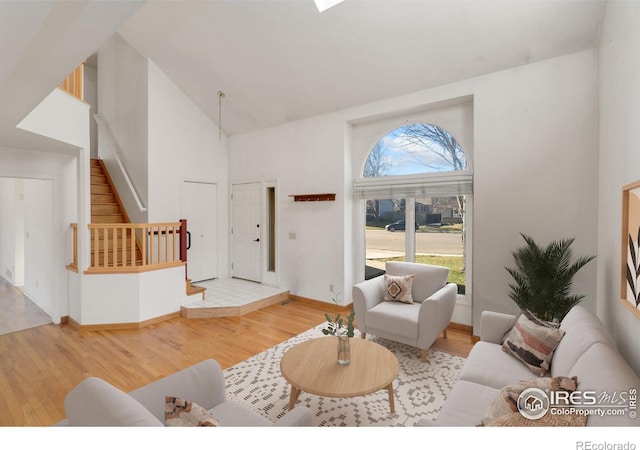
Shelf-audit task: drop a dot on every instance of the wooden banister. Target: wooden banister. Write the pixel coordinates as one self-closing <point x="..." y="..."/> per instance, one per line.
<point x="114" y="247"/>
<point x="73" y="83"/>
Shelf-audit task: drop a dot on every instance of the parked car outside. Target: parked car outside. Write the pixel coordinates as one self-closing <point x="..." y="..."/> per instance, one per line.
<point x="399" y="225"/>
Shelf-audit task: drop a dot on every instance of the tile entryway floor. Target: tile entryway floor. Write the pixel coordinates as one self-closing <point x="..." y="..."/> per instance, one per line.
<point x="232" y="296"/>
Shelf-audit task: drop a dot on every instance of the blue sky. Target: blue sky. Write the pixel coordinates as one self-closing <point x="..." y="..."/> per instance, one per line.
<point x="405" y="158"/>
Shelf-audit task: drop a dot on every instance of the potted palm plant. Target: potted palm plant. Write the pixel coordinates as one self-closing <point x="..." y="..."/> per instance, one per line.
<point x="543" y="278"/>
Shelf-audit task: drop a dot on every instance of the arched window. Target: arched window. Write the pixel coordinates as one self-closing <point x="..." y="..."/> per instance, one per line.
<point x="415" y="149"/>
<point x="416" y="174"/>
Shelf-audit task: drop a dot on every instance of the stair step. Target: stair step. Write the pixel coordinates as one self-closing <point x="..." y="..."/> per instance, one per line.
<point x="95" y="163"/>
<point x="97" y="171"/>
<point x="99" y="179"/>
<point x="101" y="189"/>
<point x="102" y="198"/>
<point x="107" y="218"/>
<point x="105" y="208"/>
<point x="191" y="290"/>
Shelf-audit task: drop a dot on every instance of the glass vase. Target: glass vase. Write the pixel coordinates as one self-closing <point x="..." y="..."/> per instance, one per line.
<point x="344" y="350"/>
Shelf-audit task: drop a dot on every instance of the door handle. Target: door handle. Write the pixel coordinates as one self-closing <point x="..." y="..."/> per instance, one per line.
<point x="256" y="240"/>
<point x="188" y="240"/>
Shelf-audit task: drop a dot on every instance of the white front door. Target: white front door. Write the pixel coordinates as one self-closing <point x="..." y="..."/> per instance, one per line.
<point x="246" y="232"/>
<point x="200" y="209"/>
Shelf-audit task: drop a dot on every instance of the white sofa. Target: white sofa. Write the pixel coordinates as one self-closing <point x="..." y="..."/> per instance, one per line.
<point x="586" y="351"/>
<point x="94" y="402"/>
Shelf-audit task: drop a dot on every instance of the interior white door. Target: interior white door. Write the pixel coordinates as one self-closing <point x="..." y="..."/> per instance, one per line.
<point x="246" y="232"/>
<point x="200" y="208"/>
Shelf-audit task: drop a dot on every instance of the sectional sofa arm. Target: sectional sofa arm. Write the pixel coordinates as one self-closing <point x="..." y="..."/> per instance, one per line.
<point x="300" y="416"/>
<point x="494" y="325"/>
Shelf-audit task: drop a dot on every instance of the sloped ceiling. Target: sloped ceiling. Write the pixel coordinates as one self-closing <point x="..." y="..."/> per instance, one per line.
<point x="278" y="61"/>
<point x="41" y="42"/>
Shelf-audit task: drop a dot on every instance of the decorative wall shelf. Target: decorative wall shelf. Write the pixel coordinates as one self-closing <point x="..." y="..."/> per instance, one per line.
<point x="314" y="197"/>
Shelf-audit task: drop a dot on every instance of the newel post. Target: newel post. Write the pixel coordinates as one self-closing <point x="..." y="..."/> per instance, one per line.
<point x="183" y="240"/>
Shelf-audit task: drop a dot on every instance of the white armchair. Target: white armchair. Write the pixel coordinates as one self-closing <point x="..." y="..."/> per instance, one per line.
<point x="417" y="324"/>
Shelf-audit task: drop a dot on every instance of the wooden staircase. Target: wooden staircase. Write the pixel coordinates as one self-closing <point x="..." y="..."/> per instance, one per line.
<point x="106" y="207"/>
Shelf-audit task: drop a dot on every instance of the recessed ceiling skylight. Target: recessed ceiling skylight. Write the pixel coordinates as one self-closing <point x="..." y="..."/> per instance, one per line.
<point x="323" y="5"/>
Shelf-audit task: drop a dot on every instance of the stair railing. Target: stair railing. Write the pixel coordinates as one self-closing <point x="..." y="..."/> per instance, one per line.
<point x="73" y="83"/>
<point x="114" y="248"/>
<point x="113" y="146"/>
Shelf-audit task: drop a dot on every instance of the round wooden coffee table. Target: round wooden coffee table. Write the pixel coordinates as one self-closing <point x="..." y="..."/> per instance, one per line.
<point x="312" y="367"/>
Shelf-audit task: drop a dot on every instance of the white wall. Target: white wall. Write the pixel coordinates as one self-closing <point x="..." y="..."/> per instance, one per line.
<point x="304" y="157"/>
<point x="12" y="230"/>
<point x="535" y="162"/>
<point x="90" y="95"/>
<point x="39" y="243"/>
<point x="131" y="298"/>
<point x="184" y="145"/>
<point x="619" y="162"/>
<point x="536" y="155"/>
<point x="122" y="94"/>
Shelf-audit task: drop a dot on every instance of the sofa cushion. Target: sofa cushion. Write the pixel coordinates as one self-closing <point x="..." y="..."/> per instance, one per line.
<point x="398" y="288"/>
<point x="94" y="402"/>
<point x="506" y="402"/>
<point x="465" y="405"/>
<point x="429" y="279"/>
<point x="396" y="318"/>
<point x="487" y="364"/>
<point x="583" y="329"/>
<point x="183" y="413"/>
<point x="533" y="342"/>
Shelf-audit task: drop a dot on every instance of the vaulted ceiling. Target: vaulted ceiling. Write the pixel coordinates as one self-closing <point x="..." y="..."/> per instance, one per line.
<point x="278" y="61"/>
<point x="282" y="60"/>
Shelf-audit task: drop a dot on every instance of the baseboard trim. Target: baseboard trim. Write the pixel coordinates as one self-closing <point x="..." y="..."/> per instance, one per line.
<point x="122" y="326"/>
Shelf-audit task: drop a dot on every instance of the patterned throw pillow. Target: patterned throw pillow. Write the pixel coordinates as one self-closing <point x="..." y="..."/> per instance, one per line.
<point x="533" y="342"/>
<point x="506" y="402"/>
<point x="181" y="413"/>
<point x="398" y="288"/>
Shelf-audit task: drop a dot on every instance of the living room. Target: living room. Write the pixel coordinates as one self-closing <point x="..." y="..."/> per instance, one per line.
<point x="551" y="150"/>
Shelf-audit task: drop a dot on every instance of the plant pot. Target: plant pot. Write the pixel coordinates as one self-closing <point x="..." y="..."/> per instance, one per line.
<point x="344" y="350"/>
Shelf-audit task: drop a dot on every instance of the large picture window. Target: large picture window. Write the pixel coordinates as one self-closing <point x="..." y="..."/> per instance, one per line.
<point x="416" y="188"/>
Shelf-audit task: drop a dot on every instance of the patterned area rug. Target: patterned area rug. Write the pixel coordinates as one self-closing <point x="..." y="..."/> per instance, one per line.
<point x="419" y="390"/>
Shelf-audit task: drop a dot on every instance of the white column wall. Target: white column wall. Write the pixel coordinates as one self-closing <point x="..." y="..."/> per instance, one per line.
<point x="619" y="163"/>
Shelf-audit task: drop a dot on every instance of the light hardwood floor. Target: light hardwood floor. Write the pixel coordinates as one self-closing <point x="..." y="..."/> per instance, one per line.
<point x="39" y="366"/>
